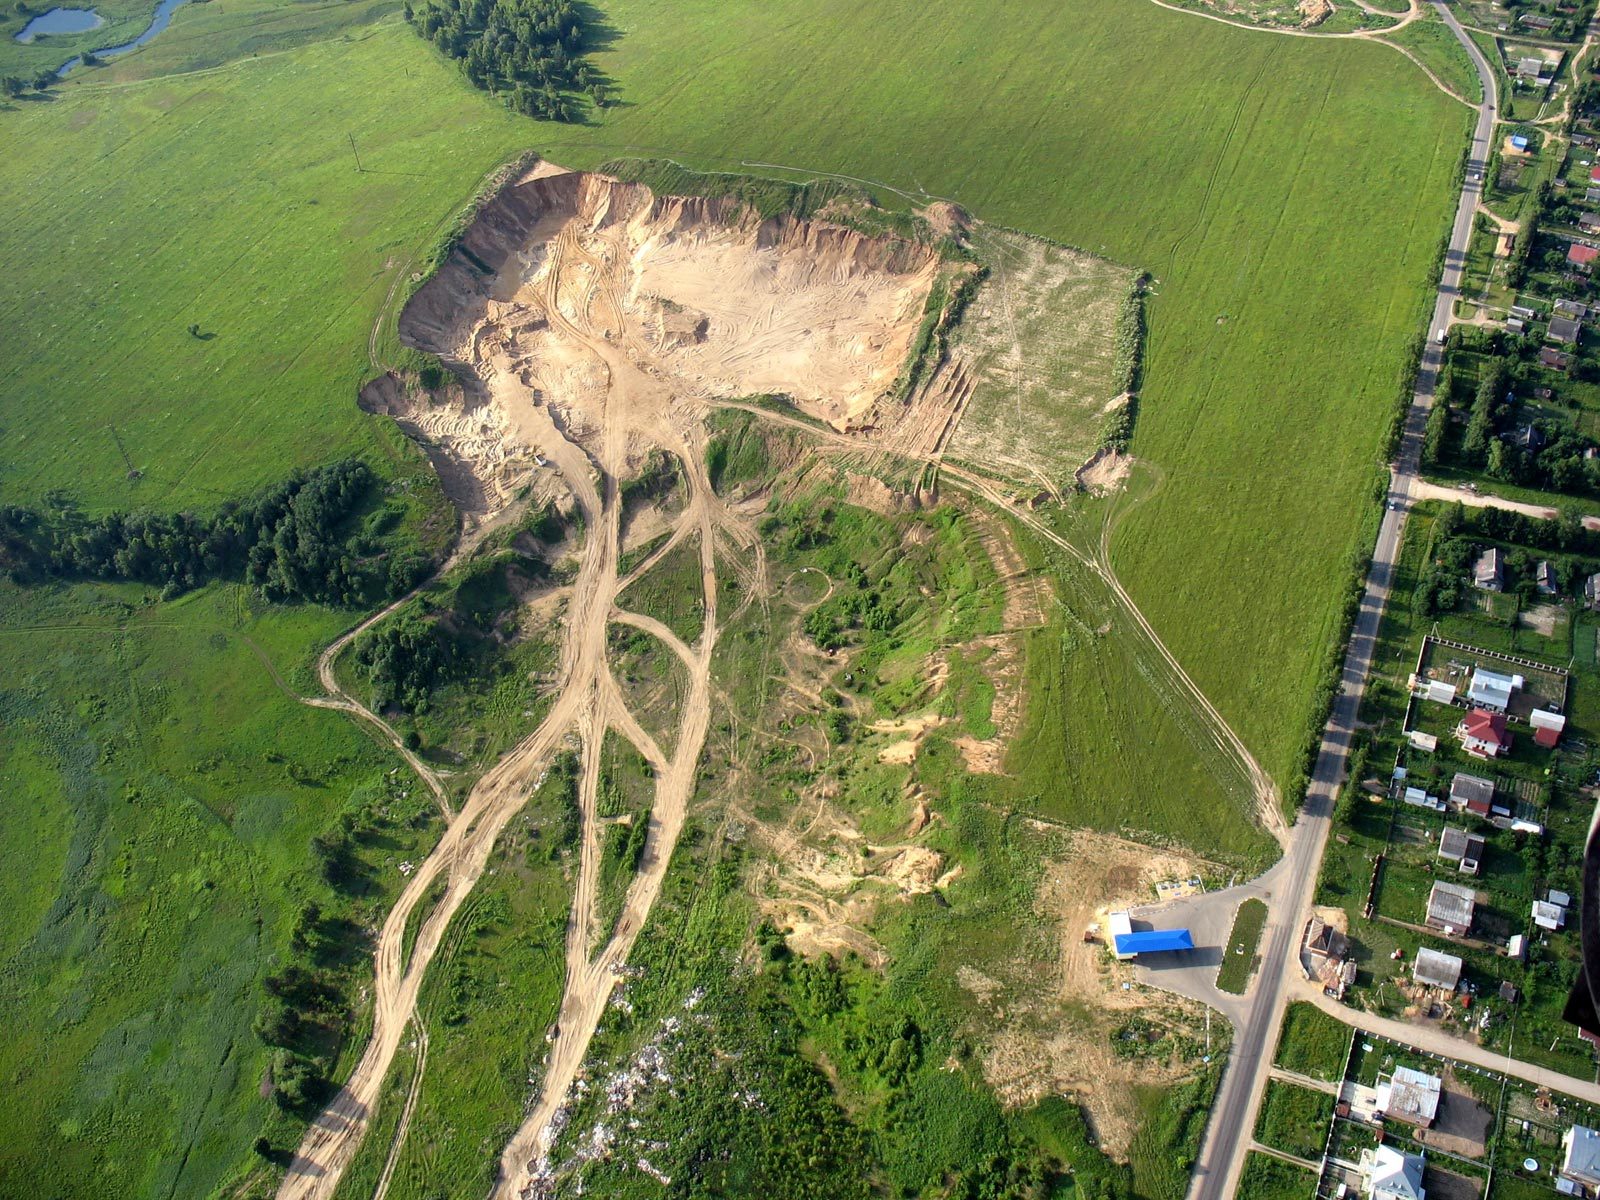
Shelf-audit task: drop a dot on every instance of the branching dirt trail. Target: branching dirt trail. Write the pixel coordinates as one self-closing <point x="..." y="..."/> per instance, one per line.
<point x="560" y="350"/>
<point x="597" y="324"/>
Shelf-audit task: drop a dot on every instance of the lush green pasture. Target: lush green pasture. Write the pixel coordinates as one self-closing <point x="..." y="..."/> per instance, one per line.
<point x="278" y="246"/>
<point x="161" y="796"/>
<point x="1295" y="1119"/>
<point x="229" y="201"/>
<point x="1267" y="1178"/>
<point x="1312" y="1043"/>
<point x="1436" y="47"/>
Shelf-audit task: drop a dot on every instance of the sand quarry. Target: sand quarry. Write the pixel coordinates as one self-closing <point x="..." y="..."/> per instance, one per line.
<point x="700" y="297"/>
<point x="588" y="324"/>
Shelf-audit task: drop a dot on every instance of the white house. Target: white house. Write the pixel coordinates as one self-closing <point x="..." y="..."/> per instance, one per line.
<point x="1392" y="1175"/>
<point x="1492" y="690"/>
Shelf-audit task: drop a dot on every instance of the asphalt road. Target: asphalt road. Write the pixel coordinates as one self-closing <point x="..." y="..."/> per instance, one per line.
<point x="1233" y="1113"/>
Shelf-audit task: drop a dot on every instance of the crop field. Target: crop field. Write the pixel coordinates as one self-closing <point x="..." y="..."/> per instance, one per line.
<point x="1040" y="342"/>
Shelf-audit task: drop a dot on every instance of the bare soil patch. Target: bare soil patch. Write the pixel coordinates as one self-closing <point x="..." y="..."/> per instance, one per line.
<point x="1057" y="1037"/>
<point x="698" y="295"/>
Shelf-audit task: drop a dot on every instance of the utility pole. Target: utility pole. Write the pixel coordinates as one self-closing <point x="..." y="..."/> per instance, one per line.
<point x="354" y="151"/>
<point x="133" y="471"/>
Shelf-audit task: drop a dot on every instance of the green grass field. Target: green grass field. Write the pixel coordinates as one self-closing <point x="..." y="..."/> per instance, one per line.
<point x="1236" y="388"/>
<point x="1295" y="1120"/>
<point x="1437" y="49"/>
<point x="227" y="200"/>
<point x="162" y="792"/>
<point x="1240" y="963"/>
<point x="1312" y="1043"/>
<point x="1267" y="1178"/>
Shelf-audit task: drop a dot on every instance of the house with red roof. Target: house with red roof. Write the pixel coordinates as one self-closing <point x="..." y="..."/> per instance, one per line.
<point x="1483" y="734"/>
<point x="1581" y="256"/>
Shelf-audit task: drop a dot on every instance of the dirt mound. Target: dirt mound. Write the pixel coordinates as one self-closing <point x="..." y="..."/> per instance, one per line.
<point x="701" y="298"/>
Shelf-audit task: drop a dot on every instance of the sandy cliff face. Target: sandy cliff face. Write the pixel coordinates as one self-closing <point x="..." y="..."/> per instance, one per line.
<point x="576" y="302"/>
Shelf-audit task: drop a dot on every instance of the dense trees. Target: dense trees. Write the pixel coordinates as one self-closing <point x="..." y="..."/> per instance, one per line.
<point x="407" y="658"/>
<point x="528" y="51"/>
<point x="292" y="541"/>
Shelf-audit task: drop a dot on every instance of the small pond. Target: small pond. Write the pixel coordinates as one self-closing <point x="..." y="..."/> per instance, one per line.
<point x="160" y="21"/>
<point x="60" y="20"/>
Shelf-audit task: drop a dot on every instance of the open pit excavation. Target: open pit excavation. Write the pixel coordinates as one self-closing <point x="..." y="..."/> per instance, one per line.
<point x="591" y="325"/>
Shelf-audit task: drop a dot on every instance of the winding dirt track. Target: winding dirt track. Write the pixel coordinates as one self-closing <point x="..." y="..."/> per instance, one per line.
<point x="1268" y="803"/>
<point x="589" y="704"/>
<point x="577" y="293"/>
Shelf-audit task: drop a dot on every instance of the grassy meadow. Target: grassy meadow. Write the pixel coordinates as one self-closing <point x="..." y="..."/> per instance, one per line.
<point x="162" y="793"/>
<point x="1257" y="361"/>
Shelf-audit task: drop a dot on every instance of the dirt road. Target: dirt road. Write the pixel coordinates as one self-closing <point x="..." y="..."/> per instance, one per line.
<point x="577" y="295"/>
<point x="579" y="347"/>
<point x="1267" y="802"/>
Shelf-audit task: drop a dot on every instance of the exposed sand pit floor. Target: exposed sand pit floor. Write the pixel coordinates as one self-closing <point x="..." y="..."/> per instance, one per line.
<point x="700" y="300"/>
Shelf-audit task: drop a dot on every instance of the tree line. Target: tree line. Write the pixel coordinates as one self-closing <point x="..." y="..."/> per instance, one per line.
<point x="529" y="52"/>
<point x="289" y="540"/>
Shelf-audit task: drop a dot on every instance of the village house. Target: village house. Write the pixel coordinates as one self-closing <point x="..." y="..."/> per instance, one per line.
<point x="1450" y="907"/>
<point x="1488" y="572"/>
<point x="1565" y="329"/>
<point x="1473" y="793"/>
<point x="1580" y="1158"/>
<point x="1591" y="591"/>
<point x="1483" y="734"/>
<point x="1435" y="968"/>
<point x="1493" y="690"/>
<point x="1324" y="941"/>
<point x="1410" y="1096"/>
<point x="1544" y="578"/>
<point x="1462" y="848"/>
<point x="1547" y="728"/>
<point x="1392" y="1174"/>
<point x="1582" y="257"/>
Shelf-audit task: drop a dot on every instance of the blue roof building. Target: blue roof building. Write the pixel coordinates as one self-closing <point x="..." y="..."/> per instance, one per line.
<point x="1152" y="941"/>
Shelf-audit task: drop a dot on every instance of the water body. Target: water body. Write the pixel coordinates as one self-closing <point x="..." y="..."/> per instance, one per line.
<point x="160" y="21"/>
<point x="60" y="20"/>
